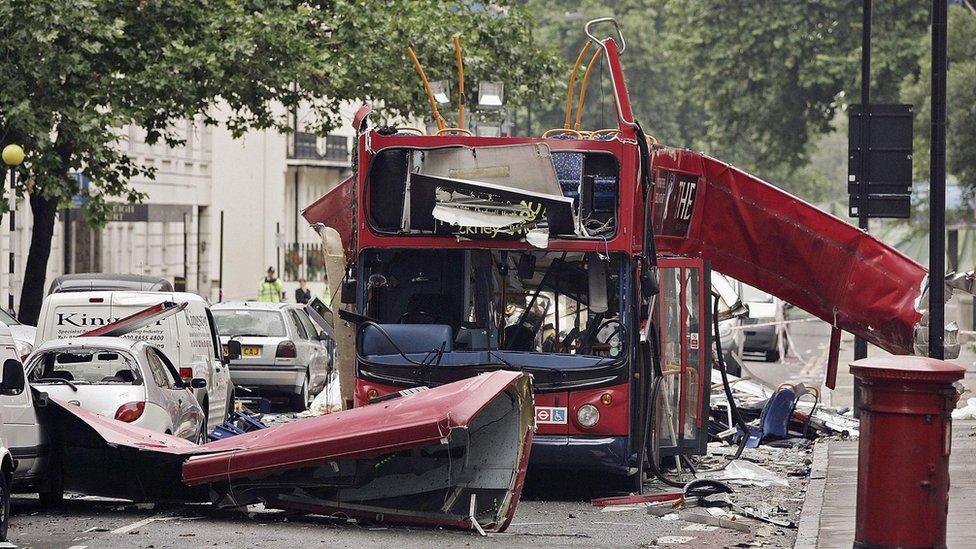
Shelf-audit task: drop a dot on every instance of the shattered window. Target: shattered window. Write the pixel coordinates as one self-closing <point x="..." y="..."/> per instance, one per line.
<point x="91" y="367"/>
<point x="510" y="192"/>
<point x="549" y="302"/>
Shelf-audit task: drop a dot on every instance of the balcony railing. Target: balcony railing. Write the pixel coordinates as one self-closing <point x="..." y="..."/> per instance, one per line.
<point x="303" y="260"/>
<point x="308" y="146"/>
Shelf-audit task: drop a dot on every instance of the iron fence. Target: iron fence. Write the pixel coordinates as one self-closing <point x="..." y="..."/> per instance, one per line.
<point x="303" y="260"/>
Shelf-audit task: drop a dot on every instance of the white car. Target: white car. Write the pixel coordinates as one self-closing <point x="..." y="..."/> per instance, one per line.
<point x="188" y="337"/>
<point x="283" y="352"/>
<point x="22" y="333"/>
<point x="124" y="379"/>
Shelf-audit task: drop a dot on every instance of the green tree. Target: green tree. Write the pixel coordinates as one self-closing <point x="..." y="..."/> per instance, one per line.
<point x="75" y="72"/>
<point x="769" y="81"/>
<point x="961" y="99"/>
<point x="653" y="76"/>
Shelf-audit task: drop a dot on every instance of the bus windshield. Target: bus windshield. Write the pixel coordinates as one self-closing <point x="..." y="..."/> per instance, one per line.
<point x="529" y="301"/>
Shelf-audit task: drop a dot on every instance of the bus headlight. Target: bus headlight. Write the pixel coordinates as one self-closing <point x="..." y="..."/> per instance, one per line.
<point x="587" y="415"/>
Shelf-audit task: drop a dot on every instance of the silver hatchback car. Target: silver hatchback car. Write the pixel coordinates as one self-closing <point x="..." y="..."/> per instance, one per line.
<point x="283" y="353"/>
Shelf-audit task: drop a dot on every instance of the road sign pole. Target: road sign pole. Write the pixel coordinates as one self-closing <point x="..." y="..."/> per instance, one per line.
<point x="937" y="182"/>
<point x="861" y="346"/>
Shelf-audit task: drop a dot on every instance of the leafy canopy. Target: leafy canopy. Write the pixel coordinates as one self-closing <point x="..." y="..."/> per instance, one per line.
<point x="75" y="72"/>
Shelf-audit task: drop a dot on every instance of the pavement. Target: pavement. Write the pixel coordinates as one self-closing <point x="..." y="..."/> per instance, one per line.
<point x="828" y="516"/>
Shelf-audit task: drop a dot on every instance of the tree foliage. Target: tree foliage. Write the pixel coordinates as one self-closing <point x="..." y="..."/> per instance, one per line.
<point x="770" y="80"/>
<point x="961" y="99"/>
<point x="75" y="72"/>
<point x="653" y="75"/>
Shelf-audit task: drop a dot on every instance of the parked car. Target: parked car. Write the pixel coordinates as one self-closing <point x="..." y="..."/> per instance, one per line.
<point x="188" y="338"/>
<point x="101" y="282"/>
<point x="765" y="311"/>
<point x="731" y="312"/>
<point x="22" y="333"/>
<point x="282" y="351"/>
<point x="121" y="378"/>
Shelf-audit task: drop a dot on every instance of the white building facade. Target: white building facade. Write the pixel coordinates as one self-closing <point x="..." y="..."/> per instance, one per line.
<point x="219" y="212"/>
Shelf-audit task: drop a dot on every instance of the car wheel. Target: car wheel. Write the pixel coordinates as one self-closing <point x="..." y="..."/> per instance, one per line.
<point x="299" y="401"/>
<point x="4" y="505"/>
<point x="772" y="356"/>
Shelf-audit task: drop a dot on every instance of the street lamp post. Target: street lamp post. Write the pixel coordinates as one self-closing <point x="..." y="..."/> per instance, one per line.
<point x="13" y="157"/>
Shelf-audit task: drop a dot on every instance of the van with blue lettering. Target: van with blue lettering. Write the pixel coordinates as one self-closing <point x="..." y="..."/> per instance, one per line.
<point x="189" y="338"/>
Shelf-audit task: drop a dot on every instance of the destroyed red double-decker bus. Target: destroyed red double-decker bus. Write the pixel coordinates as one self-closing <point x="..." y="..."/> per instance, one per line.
<point x="583" y="258"/>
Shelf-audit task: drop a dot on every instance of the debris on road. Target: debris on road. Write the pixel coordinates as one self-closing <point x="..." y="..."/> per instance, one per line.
<point x="740" y="471"/>
<point x="641" y="498"/>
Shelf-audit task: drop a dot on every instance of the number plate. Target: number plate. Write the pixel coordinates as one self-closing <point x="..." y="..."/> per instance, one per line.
<point x="250" y="350"/>
<point x="550" y="415"/>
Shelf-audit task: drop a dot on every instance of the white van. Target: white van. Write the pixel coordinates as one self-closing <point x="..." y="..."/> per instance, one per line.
<point x="7" y="354"/>
<point x="189" y="338"/>
<point x="24" y="437"/>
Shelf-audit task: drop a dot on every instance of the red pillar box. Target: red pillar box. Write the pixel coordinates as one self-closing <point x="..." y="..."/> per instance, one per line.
<point x="903" y="452"/>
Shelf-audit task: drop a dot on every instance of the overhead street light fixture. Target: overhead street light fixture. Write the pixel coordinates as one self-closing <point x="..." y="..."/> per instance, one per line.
<point x="491" y="95"/>
<point x="13" y="155"/>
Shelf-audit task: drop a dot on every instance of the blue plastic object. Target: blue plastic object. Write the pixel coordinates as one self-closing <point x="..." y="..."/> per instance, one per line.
<point x="237" y="423"/>
<point x="774" y="420"/>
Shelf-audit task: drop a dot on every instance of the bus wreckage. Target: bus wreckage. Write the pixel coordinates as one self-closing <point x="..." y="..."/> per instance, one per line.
<point x="581" y="258"/>
<point x="584" y="258"/>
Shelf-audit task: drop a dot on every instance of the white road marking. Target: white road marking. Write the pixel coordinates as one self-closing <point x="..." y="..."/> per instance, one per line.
<point x="139" y="524"/>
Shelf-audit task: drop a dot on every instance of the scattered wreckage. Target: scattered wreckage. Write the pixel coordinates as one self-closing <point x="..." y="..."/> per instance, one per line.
<point x="559" y="283"/>
<point x="452" y="456"/>
<point x="585" y="259"/>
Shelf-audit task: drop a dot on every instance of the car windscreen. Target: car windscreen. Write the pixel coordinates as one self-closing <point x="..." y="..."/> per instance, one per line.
<point x="249" y="322"/>
<point x="90" y="367"/>
<point x="7" y="319"/>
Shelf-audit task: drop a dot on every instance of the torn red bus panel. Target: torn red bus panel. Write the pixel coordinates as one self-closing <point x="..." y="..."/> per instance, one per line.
<point x="772" y="240"/>
<point x="451" y="456"/>
<point x="336" y="209"/>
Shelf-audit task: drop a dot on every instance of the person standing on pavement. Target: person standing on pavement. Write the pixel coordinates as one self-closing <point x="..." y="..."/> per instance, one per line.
<point x="302" y="294"/>
<point x="270" y="288"/>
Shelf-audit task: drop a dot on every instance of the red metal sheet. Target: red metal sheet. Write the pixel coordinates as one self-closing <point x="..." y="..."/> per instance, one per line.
<point x="428" y="458"/>
<point x="409" y="421"/>
<point x="118" y="433"/>
<point x="137" y="320"/>
<point x="336" y="209"/>
<point x="769" y="239"/>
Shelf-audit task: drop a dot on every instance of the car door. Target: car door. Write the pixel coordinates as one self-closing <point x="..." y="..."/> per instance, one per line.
<point x="219" y="386"/>
<point x="302" y="342"/>
<point x="177" y="401"/>
<point x="319" y="360"/>
<point x="25" y="438"/>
